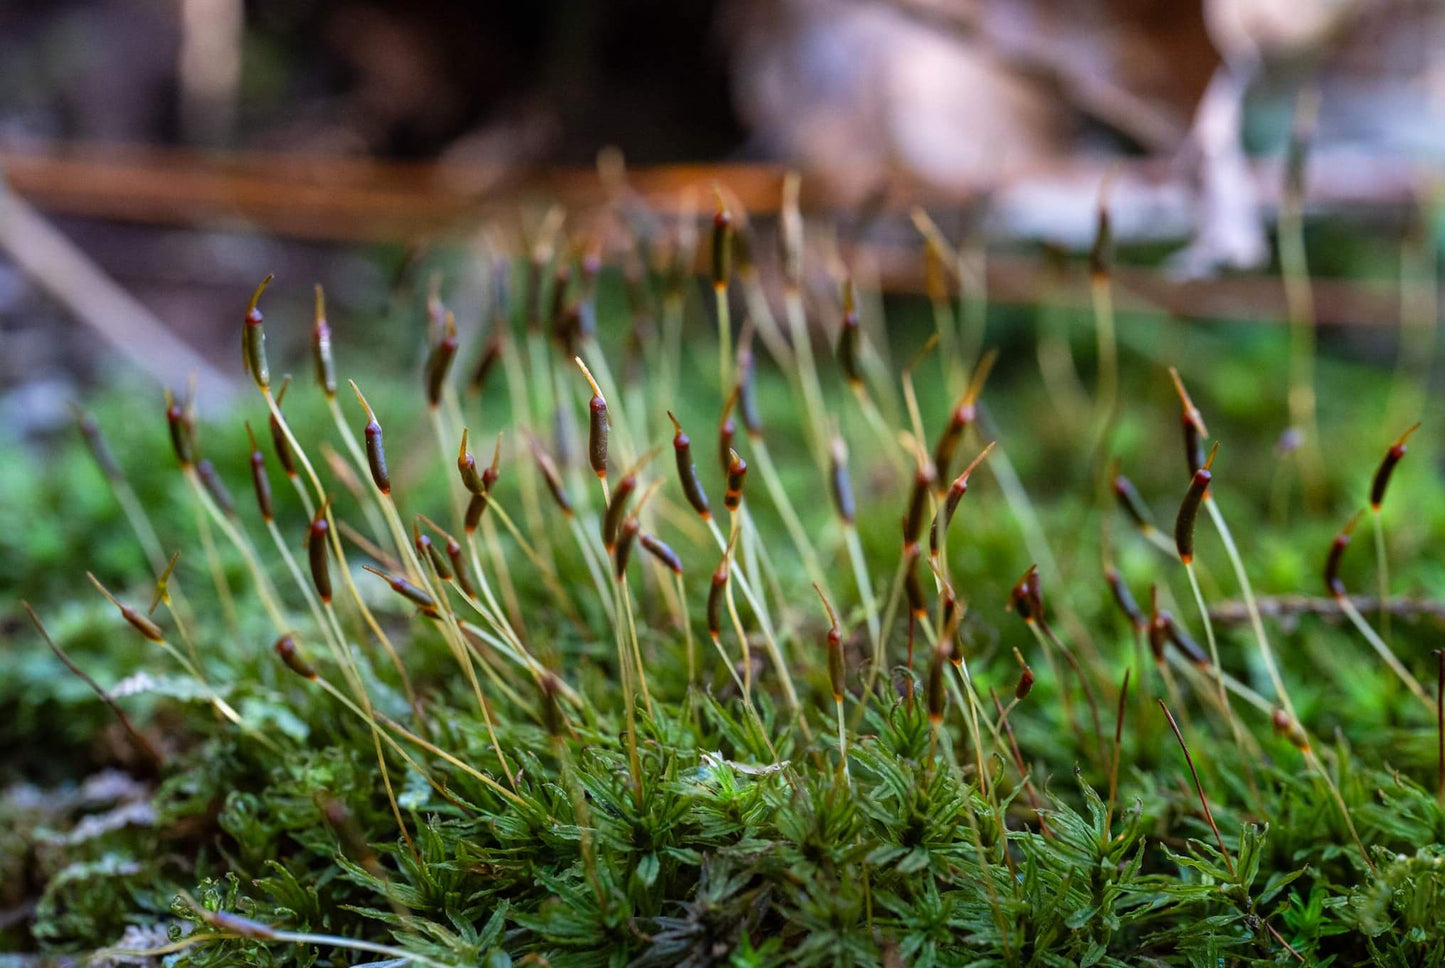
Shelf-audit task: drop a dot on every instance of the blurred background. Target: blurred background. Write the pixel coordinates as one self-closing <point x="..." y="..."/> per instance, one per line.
<point x="159" y="156"/>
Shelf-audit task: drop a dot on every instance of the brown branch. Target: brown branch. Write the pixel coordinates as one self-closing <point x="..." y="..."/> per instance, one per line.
<point x="1290" y="606"/>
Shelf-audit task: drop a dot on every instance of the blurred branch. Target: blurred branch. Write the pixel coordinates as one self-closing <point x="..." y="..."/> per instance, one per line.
<point x="73" y="280"/>
<point x="349" y="200"/>
<point x="1289" y="606"/>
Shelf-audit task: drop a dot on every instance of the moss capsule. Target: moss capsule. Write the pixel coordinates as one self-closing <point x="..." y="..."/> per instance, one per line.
<point x="215" y="487"/>
<point x="316" y="551"/>
<point x="737" y="477"/>
<point x="1189" y="509"/>
<point x="290" y="653"/>
<point x="253" y="340"/>
<point x="687" y="472"/>
<point x="321" y="348"/>
<point x="663" y="552"/>
<point x="1392" y="457"/>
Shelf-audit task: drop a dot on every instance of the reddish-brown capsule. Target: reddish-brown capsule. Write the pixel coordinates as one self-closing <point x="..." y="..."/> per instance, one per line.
<point x="1158" y="625"/>
<point x="616" y="508"/>
<point x="1026" y="678"/>
<point x="965" y="411"/>
<point x="722" y="245"/>
<point x="440" y="361"/>
<point x="182" y="434"/>
<point x="1189" y="509"/>
<point x="1194" y="430"/>
<point x="850" y="339"/>
<point x="375" y="446"/>
<point x="406" y="590"/>
<point x="599" y="427"/>
<point x="426" y="549"/>
<point x="215" y="487"/>
<point x="842" y="484"/>
<point x="1101" y="256"/>
<point x="259" y="479"/>
<point x="321" y="348"/>
<point x="290" y="653"/>
<point x="1387" y="468"/>
<point x="626" y="537"/>
<point x="1180" y="639"/>
<point x="935" y="695"/>
<point x="1124" y="598"/>
<point x="467" y="467"/>
<point x="1333" y="582"/>
<point x="551" y="478"/>
<point x="663" y="552"/>
<point x="139" y="622"/>
<point x="913" y="588"/>
<point x="923" y="478"/>
<point x="737" y="476"/>
<point x="727" y="430"/>
<point x="1130" y="502"/>
<point x="944" y="517"/>
<point x="459" y="566"/>
<point x="253" y="340"/>
<point x="477" y="506"/>
<point x="486" y="362"/>
<point x="316" y="536"/>
<point x="1026" y="596"/>
<point x="715" y="598"/>
<point x="278" y="435"/>
<point x="687" y="471"/>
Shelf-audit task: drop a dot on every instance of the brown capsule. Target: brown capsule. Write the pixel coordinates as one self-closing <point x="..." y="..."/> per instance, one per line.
<point x="1026" y="678"/>
<point x="597" y="436"/>
<point x="737" y="476"/>
<point x="1026" y="597"/>
<point x="376" y="457"/>
<point x="727" y="430"/>
<point x="467" y="467"/>
<point x="139" y="622"/>
<point x="1194" y="430"/>
<point x="944" y="517"/>
<point x="426" y="549"/>
<point x="660" y="550"/>
<point x="1124" y="598"/>
<point x="837" y="671"/>
<point x="687" y="471"/>
<point x="965" y="411"/>
<point x="842" y="484"/>
<point x="626" y="537"/>
<point x="1333" y="582"/>
<point x="923" y="478"/>
<point x="375" y="446"/>
<point x="259" y="479"/>
<point x="715" y="598"/>
<point x="290" y="653"/>
<point x="182" y="435"/>
<point x="278" y="435"/>
<point x="316" y="550"/>
<point x="722" y="245"/>
<point x="1131" y="503"/>
<point x="1180" y="640"/>
<point x="616" y="509"/>
<point x="215" y="487"/>
<point x="935" y="695"/>
<point x="406" y="590"/>
<point x="459" y="567"/>
<point x="321" y="348"/>
<point x="1387" y="468"/>
<point x="440" y="361"/>
<point x="486" y="362"/>
<point x="1158" y="625"/>
<point x="551" y="478"/>
<point x="913" y="588"/>
<point x="253" y="340"/>
<point x="95" y="442"/>
<point x="1189" y="509"/>
<point x="476" y="507"/>
<point x="850" y="338"/>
